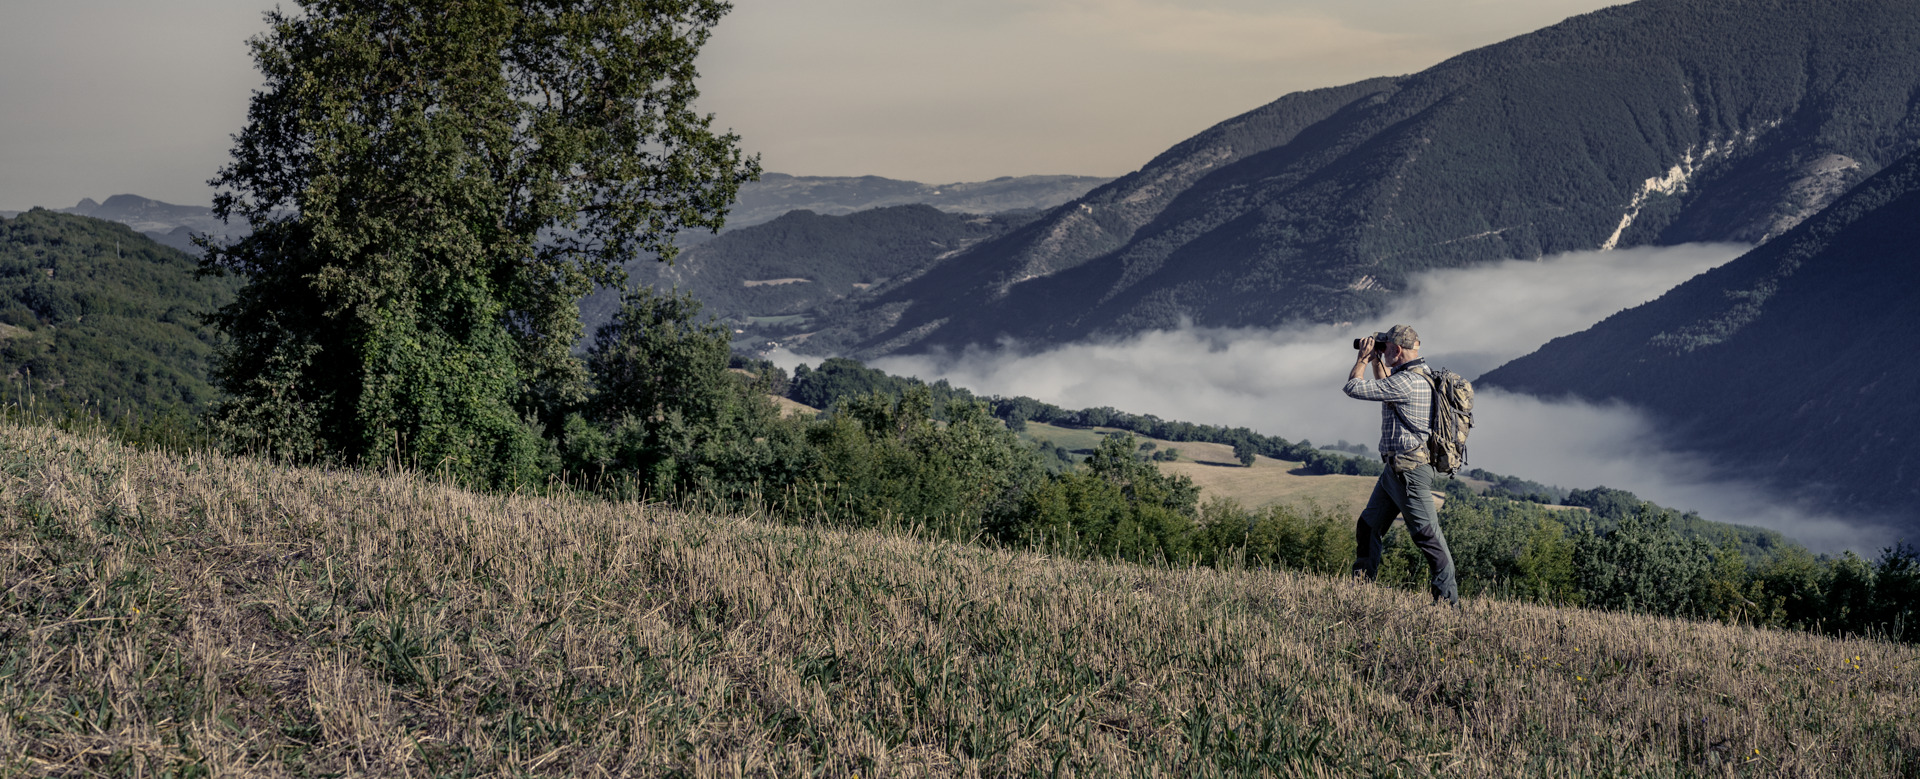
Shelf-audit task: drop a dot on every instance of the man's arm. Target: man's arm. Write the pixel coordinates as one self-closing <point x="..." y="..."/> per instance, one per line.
<point x="1374" y="389"/>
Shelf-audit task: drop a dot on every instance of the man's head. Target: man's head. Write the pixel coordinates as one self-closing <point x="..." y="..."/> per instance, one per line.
<point x="1402" y="344"/>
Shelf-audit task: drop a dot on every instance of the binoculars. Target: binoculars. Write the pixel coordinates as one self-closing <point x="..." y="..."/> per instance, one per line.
<point x="1379" y="342"/>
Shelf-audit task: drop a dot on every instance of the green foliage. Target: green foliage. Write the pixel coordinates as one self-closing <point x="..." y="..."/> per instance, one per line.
<point x="1302" y="539"/>
<point x="1612" y="506"/>
<point x="430" y="188"/>
<point x="1503" y="547"/>
<point x="840" y="378"/>
<point x="1517" y="488"/>
<point x="1244" y="451"/>
<point x="1121" y="506"/>
<point x="667" y="418"/>
<point x="773" y="376"/>
<point x="1896" y="593"/>
<point x="96" y="317"/>
<point x="1850" y="586"/>
<point x="1644" y="566"/>
<point x="884" y="462"/>
<point x="653" y="356"/>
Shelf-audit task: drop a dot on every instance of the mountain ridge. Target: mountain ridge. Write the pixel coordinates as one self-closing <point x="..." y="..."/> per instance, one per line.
<point x="1777" y="363"/>
<point x="1658" y="122"/>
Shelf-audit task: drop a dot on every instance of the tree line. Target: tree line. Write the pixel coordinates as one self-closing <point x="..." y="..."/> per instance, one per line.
<point x="1597" y="547"/>
<point x="839" y="378"/>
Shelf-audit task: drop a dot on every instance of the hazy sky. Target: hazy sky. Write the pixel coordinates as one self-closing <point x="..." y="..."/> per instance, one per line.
<point x="99" y="97"/>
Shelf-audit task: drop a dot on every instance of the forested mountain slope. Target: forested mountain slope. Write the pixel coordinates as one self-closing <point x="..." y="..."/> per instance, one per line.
<point x="94" y="313"/>
<point x="1658" y="122"/>
<point x="804" y="259"/>
<point x="1787" y="363"/>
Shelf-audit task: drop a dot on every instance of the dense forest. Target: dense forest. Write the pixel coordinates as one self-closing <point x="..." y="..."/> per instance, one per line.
<point x="96" y="316"/>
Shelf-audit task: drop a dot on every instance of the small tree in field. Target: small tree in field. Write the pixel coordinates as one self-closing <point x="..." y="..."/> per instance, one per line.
<point x="1244" y="451"/>
<point x="431" y="186"/>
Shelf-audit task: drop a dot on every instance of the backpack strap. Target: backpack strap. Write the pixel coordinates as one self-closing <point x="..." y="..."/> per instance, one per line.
<point x="1419" y="368"/>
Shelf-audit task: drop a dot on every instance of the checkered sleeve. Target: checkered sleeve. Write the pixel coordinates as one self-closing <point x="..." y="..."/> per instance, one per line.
<point x="1398" y="388"/>
<point x="1406" y="409"/>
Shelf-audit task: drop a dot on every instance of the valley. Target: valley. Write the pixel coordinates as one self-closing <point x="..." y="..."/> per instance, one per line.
<point x="521" y="422"/>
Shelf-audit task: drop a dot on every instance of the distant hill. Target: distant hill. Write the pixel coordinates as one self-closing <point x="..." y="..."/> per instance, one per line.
<point x="773" y="196"/>
<point x="1657" y="122"/>
<point x="1787" y="364"/>
<point x="166" y="223"/>
<point x="94" y="313"/>
<point x="778" y="193"/>
<point x="802" y="260"/>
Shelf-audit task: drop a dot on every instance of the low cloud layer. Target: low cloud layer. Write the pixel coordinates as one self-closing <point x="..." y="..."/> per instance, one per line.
<point x="1287" y="382"/>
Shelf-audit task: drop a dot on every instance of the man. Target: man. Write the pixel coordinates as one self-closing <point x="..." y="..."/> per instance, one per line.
<point x="1406" y="488"/>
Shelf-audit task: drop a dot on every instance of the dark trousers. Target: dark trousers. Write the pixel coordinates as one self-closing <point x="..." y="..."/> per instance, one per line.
<point x="1408" y="493"/>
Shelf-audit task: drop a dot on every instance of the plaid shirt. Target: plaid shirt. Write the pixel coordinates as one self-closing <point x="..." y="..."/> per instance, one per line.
<point x="1411" y="394"/>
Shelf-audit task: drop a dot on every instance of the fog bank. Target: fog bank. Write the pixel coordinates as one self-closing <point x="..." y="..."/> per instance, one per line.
<point x="1287" y="382"/>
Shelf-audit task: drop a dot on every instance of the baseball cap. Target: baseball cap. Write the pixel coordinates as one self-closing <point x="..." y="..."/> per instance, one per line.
<point x="1403" y="335"/>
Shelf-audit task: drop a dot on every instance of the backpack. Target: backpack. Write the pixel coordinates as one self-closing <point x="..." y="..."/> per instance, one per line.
<point x="1452" y="419"/>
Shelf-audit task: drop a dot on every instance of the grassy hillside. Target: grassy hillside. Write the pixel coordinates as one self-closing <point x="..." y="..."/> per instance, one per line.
<point x="183" y="615"/>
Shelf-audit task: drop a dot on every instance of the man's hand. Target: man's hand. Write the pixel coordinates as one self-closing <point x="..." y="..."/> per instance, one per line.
<point x="1366" y="355"/>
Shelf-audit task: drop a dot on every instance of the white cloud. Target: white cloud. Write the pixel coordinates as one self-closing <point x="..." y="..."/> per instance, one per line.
<point x="1287" y="382"/>
<point x="1584" y="445"/>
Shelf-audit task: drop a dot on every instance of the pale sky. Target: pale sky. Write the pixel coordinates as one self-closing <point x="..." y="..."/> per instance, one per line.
<point x="101" y="97"/>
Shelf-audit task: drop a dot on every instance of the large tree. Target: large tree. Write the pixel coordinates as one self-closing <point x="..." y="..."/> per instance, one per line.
<point x="432" y="185"/>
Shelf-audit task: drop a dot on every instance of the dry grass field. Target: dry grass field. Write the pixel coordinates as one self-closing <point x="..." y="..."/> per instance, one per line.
<point x="789" y="407"/>
<point x="1270" y="482"/>
<point x="1219" y="474"/>
<point x="201" y="615"/>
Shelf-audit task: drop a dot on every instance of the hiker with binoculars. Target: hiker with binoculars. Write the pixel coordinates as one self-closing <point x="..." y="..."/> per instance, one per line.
<point x="1399" y="383"/>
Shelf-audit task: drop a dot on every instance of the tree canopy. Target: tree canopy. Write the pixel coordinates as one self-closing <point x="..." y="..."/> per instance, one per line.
<point x="432" y="186"/>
